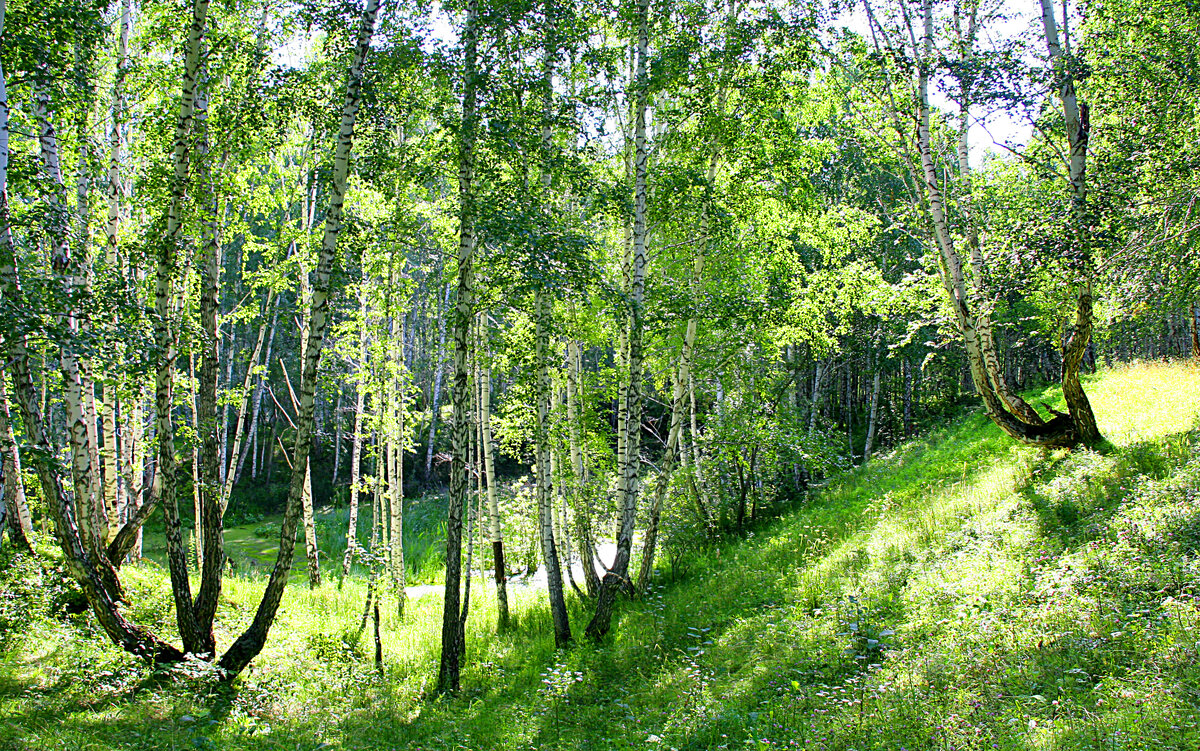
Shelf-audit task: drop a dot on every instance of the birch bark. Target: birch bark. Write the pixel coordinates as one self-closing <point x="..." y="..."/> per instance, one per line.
<point x="579" y="497"/>
<point x="495" y="529"/>
<point x="617" y="577"/>
<point x="208" y="425"/>
<point x="449" y="667"/>
<point x="1078" y="129"/>
<point x="360" y="393"/>
<point x="98" y="586"/>
<point x="542" y="323"/>
<point x="20" y="525"/>
<point x="250" y="643"/>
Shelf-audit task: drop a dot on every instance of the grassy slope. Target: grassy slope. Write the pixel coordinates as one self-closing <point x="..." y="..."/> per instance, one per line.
<point x="254" y="546"/>
<point x="962" y="593"/>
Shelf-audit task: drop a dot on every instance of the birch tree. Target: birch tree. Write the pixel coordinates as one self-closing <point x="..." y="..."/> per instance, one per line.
<point x="542" y="323"/>
<point x="912" y="39"/>
<point x="629" y="461"/>
<point x="449" y="668"/>
<point x="250" y="643"/>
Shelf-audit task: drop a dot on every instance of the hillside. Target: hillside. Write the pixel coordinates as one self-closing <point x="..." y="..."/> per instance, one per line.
<point x="963" y="592"/>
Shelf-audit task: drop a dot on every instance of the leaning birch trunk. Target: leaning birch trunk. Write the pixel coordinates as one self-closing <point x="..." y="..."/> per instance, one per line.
<point x="356" y="448"/>
<point x="1056" y="432"/>
<point x="489" y="465"/>
<point x="223" y="457"/>
<point x="66" y="266"/>
<point x="542" y="321"/>
<point x="115" y="496"/>
<point x="239" y="424"/>
<point x="982" y="306"/>
<point x="83" y="567"/>
<point x="311" y="551"/>
<point x="260" y="382"/>
<point x="617" y="577"/>
<point x="128" y="541"/>
<point x="208" y="424"/>
<point x="683" y="375"/>
<point x="1078" y="126"/>
<point x="670" y="459"/>
<point x="449" y="667"/>
<point x="250" y="643"/>
<point x="20" y="525"/>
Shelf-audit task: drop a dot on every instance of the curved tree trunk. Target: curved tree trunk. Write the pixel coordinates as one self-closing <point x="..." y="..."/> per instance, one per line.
<point x="1060" y="430"/>
<point x="251" y="642"/>
<point x="683" y="373"/>
<point x="1078" y="127"/>
<point x="68" y="269"/>
<point x="617" y="577"/>
<point x="82" y="566"/>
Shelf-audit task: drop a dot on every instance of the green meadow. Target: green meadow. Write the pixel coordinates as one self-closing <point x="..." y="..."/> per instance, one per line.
<point x="962" y="592"/>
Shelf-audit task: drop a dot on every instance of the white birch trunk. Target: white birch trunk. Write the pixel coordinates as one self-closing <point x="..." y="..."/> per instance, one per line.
<point x="617" y="577"/>
<point x="360" y="392"/>
<point x="449" y="666"/>
<point x="250" y="643"/>
<point x="489" y="449"/>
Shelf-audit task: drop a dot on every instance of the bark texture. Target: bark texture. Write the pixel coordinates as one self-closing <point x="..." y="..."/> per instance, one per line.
<point x="448" y="669"/>
<point x="617" y="577"/>
<point x="250" y="643"/>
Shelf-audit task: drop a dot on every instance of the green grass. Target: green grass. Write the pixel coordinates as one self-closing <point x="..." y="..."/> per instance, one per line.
<point x="252" y="547"/>
<point x="963" y="592"/>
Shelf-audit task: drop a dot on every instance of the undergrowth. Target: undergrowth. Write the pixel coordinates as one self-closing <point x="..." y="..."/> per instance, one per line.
<point x="963" y="592"/>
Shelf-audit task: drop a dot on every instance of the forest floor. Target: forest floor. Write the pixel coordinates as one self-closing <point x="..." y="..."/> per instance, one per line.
<point x="962" y="592"/>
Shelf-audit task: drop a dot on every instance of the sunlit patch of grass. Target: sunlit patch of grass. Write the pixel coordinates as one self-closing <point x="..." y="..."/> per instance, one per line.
<point x="1146" y="401"/>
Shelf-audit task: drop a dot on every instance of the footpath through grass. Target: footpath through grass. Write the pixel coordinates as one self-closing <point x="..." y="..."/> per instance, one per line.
<point x="963" y="593"/>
